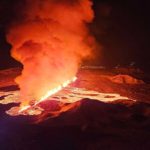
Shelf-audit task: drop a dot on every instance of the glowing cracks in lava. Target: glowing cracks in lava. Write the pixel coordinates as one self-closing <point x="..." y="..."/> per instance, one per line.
<point x="50" y="93"/>
<point x="55" y="90"/>
<point x="24" y="108"/>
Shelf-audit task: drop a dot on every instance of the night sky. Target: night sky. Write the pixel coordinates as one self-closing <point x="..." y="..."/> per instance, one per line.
<point x="120" y="27"/>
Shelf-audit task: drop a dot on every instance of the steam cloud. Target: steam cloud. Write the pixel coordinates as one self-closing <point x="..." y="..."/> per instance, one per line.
<point x="50" y="38"/>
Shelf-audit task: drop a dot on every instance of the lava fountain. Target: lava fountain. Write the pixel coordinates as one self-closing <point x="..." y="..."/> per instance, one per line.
<point x="51" y="39"/>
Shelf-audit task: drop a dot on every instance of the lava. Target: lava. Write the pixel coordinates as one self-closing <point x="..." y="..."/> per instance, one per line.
<point x="87" y="85"/>
<point x="67" y="94"/>
<point x="55" y="90"/>
<point x="48" y="94"/>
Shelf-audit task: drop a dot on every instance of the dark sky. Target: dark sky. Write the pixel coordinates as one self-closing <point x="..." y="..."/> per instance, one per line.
<point x="123" y="31"/>
<point x="121" y="27"/>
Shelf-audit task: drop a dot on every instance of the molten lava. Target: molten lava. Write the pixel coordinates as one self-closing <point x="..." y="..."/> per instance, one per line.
<point x="65" y="97"/>
<point x="57" y="89"/>
<point x="49" y="93"/>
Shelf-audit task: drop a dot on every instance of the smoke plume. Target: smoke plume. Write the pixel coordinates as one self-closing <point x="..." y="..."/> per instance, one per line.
<point x="51" y="39"/>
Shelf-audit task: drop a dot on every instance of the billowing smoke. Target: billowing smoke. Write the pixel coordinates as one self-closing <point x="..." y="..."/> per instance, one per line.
<point x="51" y="39"/>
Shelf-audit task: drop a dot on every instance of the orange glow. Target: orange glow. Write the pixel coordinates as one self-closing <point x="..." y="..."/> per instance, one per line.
<point x="64" y="97"/>
<point x="50" y="46"/>
<point x="23" y="108"/>
<point x="55" y="90"/>
<point x="49" y="93"/>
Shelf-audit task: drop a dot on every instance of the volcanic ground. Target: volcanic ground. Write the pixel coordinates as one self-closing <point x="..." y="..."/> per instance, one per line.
<point x="87" y="124"/>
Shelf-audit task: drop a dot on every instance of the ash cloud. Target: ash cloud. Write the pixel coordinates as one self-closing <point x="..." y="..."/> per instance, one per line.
<point x="51" y="39"/>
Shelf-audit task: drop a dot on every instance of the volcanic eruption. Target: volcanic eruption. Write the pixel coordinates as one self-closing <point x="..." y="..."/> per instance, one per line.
<point x="51" y="39"/>
<point x="67" y="92"/>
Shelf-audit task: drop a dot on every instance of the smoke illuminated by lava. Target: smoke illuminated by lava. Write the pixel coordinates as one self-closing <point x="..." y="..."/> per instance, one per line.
<point x="50" y="39"/>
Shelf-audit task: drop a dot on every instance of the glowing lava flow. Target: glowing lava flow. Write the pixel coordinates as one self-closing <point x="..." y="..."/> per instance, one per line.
<point x="49" y="93"/>
<point x="55" y="90"/>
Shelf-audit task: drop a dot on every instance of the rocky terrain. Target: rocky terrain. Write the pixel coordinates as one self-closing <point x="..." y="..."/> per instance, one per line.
<point x="86" y="124"/>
